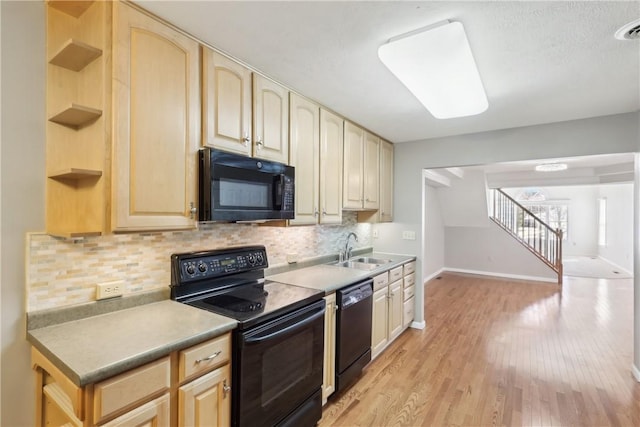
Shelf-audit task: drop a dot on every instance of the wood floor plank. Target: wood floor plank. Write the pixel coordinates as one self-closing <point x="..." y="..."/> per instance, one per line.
<point x="504" y="352"/>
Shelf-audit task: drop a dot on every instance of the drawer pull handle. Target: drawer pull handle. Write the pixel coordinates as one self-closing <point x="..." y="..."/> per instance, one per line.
<point x="208" y="358"/>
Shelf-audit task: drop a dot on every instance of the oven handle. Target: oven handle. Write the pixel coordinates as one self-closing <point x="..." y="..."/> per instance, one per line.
<point x="260" y="337"/>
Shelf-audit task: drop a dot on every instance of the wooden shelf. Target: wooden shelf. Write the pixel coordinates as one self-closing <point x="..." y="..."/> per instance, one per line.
<point x="75" y="173"/>
<point x="75" y="55"/>
<point x="74" y="8"/>
<point x="76" y="116"/>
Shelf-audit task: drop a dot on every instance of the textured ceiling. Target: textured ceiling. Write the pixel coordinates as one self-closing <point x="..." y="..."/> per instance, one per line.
<point x="540" y="62"/>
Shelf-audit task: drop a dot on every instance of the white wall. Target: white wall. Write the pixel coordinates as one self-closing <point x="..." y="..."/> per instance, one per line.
<point x="464" y="203"/>
<point x="489" y="250"/>
<point x="23" y="118"/>
<point x="619" y="247"/>
<point x="433" y="240"/>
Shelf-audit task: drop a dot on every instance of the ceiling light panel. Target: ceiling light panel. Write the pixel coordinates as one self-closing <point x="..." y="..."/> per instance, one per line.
<point x="436" y="64"/>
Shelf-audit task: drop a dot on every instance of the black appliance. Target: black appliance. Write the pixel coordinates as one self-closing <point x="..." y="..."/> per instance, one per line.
<point x="240" y="188"/>
<point x="278" y="346"/>
<point x="353" y="332"/>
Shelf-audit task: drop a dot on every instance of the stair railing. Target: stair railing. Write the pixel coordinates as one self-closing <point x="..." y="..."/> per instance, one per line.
<point x="537" y="236"/>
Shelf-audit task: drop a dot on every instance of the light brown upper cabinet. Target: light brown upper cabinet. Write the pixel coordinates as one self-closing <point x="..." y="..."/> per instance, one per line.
<point x="226" y="103"/>
<point x="361" y="169"/>
<point x="305" y="157"/>
<point x="331" y="152"/>
<point x="243" y="112"/>
<point x="270" y="120"/>
<point x="386" y="182"/>
<point x="316" y="144"/>
<point x="157" y="116"/>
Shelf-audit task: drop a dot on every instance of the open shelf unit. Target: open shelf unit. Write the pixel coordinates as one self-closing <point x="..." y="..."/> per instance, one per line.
<point x="78" y="117"/>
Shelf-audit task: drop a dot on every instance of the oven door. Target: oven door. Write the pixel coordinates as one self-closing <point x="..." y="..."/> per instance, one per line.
<point x="278" y="368"/>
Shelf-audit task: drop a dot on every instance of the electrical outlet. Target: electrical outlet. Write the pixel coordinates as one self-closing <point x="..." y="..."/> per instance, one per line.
<point x="292" y="258"/>
<point x="109" y="289"/>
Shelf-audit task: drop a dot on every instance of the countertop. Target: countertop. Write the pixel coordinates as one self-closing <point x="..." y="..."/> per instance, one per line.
<point x="329" y="278"/>
<point x="95" y="348"/>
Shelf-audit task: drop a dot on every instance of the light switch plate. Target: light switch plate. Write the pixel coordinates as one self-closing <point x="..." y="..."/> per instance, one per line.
<point x="409" y="235"/>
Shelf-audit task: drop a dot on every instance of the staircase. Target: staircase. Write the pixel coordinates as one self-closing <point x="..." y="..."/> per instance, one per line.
<point x="543" y="241"/>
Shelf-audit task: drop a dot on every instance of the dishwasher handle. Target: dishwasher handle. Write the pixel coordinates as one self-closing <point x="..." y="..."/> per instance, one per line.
<point x="354" y="294"/>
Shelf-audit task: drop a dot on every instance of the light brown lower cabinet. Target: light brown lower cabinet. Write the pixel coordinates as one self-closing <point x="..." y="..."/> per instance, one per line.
<point x="189" y="387"/>
<point x="206" y="401"/>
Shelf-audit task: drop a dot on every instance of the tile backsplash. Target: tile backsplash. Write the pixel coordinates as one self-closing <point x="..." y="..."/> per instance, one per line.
<point x="62" y="272"/>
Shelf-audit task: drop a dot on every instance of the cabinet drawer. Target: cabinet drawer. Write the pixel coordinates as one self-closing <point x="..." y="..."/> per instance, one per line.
<point x="408" y="311"/>
<point x="395" y="274"/>
<point x="380" y="281"/>
<point x="409" y="280"/>
<point x="203" y="357"/>
<point x="409" y="267"/>
<point x="131" y="388"/>
<point x="409" y="292"/>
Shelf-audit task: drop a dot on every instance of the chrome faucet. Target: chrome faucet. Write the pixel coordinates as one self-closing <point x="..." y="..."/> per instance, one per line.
<point x="347" y="248"/>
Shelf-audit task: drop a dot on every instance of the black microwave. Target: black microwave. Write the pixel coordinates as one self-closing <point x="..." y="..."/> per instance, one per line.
<point x="233" y="187"/>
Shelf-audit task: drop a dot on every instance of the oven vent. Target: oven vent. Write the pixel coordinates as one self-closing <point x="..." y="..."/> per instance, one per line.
<point x="631" y="31"/>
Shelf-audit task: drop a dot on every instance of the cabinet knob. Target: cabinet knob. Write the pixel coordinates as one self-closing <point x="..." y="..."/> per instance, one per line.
<point x="226" y="388"/>
<point x="192" y="210"/>
<point x="246" y="140"/>
<point x="259" y="143"/>
<point x="324" y="211"/>
<point x="316" y="213"/>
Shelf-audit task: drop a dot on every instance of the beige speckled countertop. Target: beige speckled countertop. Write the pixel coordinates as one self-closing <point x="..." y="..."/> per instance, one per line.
<point x="95" y="348"/>
<point x="329" y="278"/>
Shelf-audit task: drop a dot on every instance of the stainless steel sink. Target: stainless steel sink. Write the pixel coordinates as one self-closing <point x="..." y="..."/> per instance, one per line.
<point x="357" y="265"/>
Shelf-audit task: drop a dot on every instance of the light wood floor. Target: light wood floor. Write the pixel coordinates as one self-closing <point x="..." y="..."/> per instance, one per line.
<point x="499" y="352"/>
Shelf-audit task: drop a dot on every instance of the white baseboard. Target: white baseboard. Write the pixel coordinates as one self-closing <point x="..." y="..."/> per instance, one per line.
<point x="636" y="372"/>
<point x="624" y="270"/>
<point x="434" y="275"/>
<point x="418" y="325"/>
<point x="505" y="275"/>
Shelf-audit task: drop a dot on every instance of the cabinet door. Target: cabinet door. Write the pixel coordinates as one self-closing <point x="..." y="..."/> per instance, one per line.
<point x="379" y="321"/>
<point x="395" y="309"/>
<point x="329" y="375"/>
<point x="206" y="401"/>
<point x="371" y="171"/>
<point x="353" y="166"/>
<point x="331" y="152"/>
<point x="270" y="120"/>
<point x="154" y="413"/>
<point x="157" y="111"/>
<point x="386" y="181"/>
<point x="226" y="103"/>
<point x="305" y="157"/>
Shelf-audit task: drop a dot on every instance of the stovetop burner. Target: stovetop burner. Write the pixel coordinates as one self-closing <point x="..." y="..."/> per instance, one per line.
<point x="231" y="282"/>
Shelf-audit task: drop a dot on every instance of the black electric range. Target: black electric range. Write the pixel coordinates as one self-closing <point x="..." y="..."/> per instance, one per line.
<point x="278" y="346"/>
<point x="231" y="282"/>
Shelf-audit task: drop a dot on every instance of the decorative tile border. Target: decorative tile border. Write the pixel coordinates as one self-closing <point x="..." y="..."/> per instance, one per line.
<point x="62" y="272"/>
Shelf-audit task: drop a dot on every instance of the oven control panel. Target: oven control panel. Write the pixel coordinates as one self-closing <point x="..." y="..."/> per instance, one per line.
<point x="212" y="264"/>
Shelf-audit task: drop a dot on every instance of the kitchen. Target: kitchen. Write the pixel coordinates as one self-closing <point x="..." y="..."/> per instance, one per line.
<point x="26" y="187"/>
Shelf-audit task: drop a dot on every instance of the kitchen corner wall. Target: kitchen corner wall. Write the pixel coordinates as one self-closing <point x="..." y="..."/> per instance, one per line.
<point x="62" y="272"/>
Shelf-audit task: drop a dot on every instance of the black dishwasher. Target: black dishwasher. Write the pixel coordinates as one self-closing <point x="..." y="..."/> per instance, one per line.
<point x="353" y="329"/>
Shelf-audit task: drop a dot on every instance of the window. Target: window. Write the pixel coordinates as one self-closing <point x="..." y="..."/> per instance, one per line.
<point x="602" y="222"/>
<point x="553" y="213"/>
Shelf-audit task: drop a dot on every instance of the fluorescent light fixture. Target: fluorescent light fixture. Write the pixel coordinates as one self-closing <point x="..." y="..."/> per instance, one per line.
<point x="551" y="167"/>
<point x="435" y="63"/>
